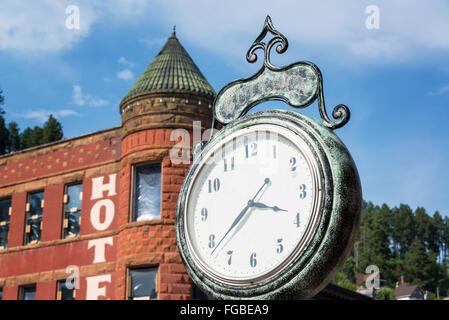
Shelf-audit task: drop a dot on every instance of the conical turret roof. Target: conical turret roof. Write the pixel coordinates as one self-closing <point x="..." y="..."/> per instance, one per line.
<point x="172" y="69"/>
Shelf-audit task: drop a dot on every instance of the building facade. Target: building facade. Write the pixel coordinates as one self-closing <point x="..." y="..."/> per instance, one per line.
<point x="93" y="217"/>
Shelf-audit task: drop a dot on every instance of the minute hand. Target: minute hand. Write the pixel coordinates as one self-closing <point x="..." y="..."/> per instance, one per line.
<point x="241" y="214"/>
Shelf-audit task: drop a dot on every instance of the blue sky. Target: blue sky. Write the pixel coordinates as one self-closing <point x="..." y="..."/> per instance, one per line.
<point x="395" y="79"/>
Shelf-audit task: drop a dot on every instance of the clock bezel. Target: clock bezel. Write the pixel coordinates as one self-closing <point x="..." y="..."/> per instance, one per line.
<point x="334" y="235"/>
<point x="314" y="166"/>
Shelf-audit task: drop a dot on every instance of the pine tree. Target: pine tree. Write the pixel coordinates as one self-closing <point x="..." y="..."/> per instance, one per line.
<point x="425" y="230"/>
<point x="52" y="130"/>
<point x="14" y="137"/>
<point x="4" y="136"/>
<point x="26" y="138"/>
<point x="403" y="229"/>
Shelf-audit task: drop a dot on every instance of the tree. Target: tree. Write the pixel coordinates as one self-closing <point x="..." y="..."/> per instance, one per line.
<point x="421" y="267"/>
<point x="26" y="138"/>
<point x="342" y="281"/>
<point x="425" y="230"/>
<point x="403" y="229"/>
<point x="385" y="294"/>
<point x="14" y="137"/>
<point x="2" y="101"/>
<point x="52" y="130"/>
<point x="4" y="135"/>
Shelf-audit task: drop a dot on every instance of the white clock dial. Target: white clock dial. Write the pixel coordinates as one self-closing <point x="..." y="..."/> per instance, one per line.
<point x="253" y="204"/>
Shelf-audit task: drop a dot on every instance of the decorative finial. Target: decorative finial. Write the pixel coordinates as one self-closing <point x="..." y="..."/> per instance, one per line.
<point x="174" y="31"/>
<point x="278" y="38"/>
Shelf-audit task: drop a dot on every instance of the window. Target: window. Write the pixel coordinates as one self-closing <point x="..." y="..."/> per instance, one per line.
<point x="5" y="213"/>
<point x="1" y="293"/>
<point x="27" y="292"/>
<point x="65" y="291"/>
<point x="142" y="283"/>
<point x="72" y="210"/>
<point x="147" y="192"/>
<point x="34" y="210"/>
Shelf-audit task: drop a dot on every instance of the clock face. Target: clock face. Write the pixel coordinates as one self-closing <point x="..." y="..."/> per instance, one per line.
<point x="253" y="204"/>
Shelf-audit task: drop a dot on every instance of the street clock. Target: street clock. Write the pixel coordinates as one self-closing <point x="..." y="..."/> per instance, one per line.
<point x="270" y="207"/>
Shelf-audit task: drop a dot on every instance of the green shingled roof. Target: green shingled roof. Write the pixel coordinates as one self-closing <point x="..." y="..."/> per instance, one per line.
<point x="172" y="69"/>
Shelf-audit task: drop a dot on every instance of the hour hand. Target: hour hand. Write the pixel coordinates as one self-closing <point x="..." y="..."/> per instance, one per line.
<point x="264" y="206"/>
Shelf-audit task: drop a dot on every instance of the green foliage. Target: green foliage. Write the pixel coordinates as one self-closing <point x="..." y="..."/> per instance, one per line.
<point x="4" y="135"/>
<point x="52" y="130"/>
<point x="14" y="137"/>
<point x="342" y="281"/>
<point x="385" y="294"/>
<point x="11" y="140"/>
<point x="402" y="243"/>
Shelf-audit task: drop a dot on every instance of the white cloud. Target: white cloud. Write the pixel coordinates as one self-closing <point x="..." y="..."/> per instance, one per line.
<point x="440" y="91"/>
<point x="39" y="26"/>
<point x="126" y="62"/>
<point x="125" y="74"/>
<point x="42" y="115"/>
<point x="335" y="28"/>
<point x="150" y="42"/>
<point x="81" y="99"/>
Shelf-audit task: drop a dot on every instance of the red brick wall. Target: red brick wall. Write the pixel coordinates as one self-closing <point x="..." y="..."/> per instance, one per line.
<point x="17" y="221"/>
<point x="52" y="214"/>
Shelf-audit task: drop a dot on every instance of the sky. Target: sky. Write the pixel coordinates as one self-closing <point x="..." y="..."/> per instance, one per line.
<point x="388" y="61"/>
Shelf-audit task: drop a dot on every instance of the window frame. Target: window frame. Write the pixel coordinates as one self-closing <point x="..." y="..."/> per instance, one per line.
<point x="132" y="204"/>
<point x="8" y="222"/>
<point x="128" y="285"/>
<point x="27" y="217"/>
<point x="64" y="206"/>
<point x="22" y="288"/>
<point x="59" y="291"/>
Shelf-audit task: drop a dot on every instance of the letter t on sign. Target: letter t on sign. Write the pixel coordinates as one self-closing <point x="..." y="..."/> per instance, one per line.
<point x="100" y="245"/>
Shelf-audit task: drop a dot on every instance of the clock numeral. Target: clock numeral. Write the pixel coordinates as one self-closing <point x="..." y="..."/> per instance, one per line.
<point x="252" y="260"/>
<point x="303" y="193"/>
<point x="211" y="241"/>
<point x="280" y="247"/>
<point x="230" y="256"/>
<point x="274" y="152"/>
<point x="297" y="221"/>
<point x="293" y="164"/>
<point x="214" y="186"/>
<point x="253" y="151"/>
<point x="225" y="161"/>
<point x="203" y="214"/>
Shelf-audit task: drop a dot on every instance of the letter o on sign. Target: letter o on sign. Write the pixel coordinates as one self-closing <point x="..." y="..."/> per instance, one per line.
<point x="95" y="214"/>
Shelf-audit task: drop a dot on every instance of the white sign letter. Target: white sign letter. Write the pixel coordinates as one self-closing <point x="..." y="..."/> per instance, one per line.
<point x="100" y="245"/>
<point x="108" y="214"/>
<point x="98" y="187"/>
<point x="93" y="286"/>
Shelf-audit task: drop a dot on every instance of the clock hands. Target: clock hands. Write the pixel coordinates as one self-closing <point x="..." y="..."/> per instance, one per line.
<point x="264" y="206"/>
<point x="242" y="213"/>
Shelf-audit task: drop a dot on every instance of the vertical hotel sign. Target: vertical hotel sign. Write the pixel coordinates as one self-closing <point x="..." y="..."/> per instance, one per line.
<point x="101" y="195"/>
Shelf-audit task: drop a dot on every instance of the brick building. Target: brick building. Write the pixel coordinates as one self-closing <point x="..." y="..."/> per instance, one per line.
<point x="103" y="205"/>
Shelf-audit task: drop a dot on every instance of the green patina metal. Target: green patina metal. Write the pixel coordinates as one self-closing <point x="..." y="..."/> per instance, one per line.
<point x="340" y="206"/>
<point x="172" y="70"/>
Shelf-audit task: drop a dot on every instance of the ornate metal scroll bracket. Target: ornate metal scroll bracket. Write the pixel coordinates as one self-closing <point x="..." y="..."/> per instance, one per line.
<point x="278" y="37"/>
<point x="298" y="85"/>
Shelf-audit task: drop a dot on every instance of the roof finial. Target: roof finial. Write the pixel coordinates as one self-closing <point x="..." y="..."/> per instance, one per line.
<point x="174" y="31"/>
